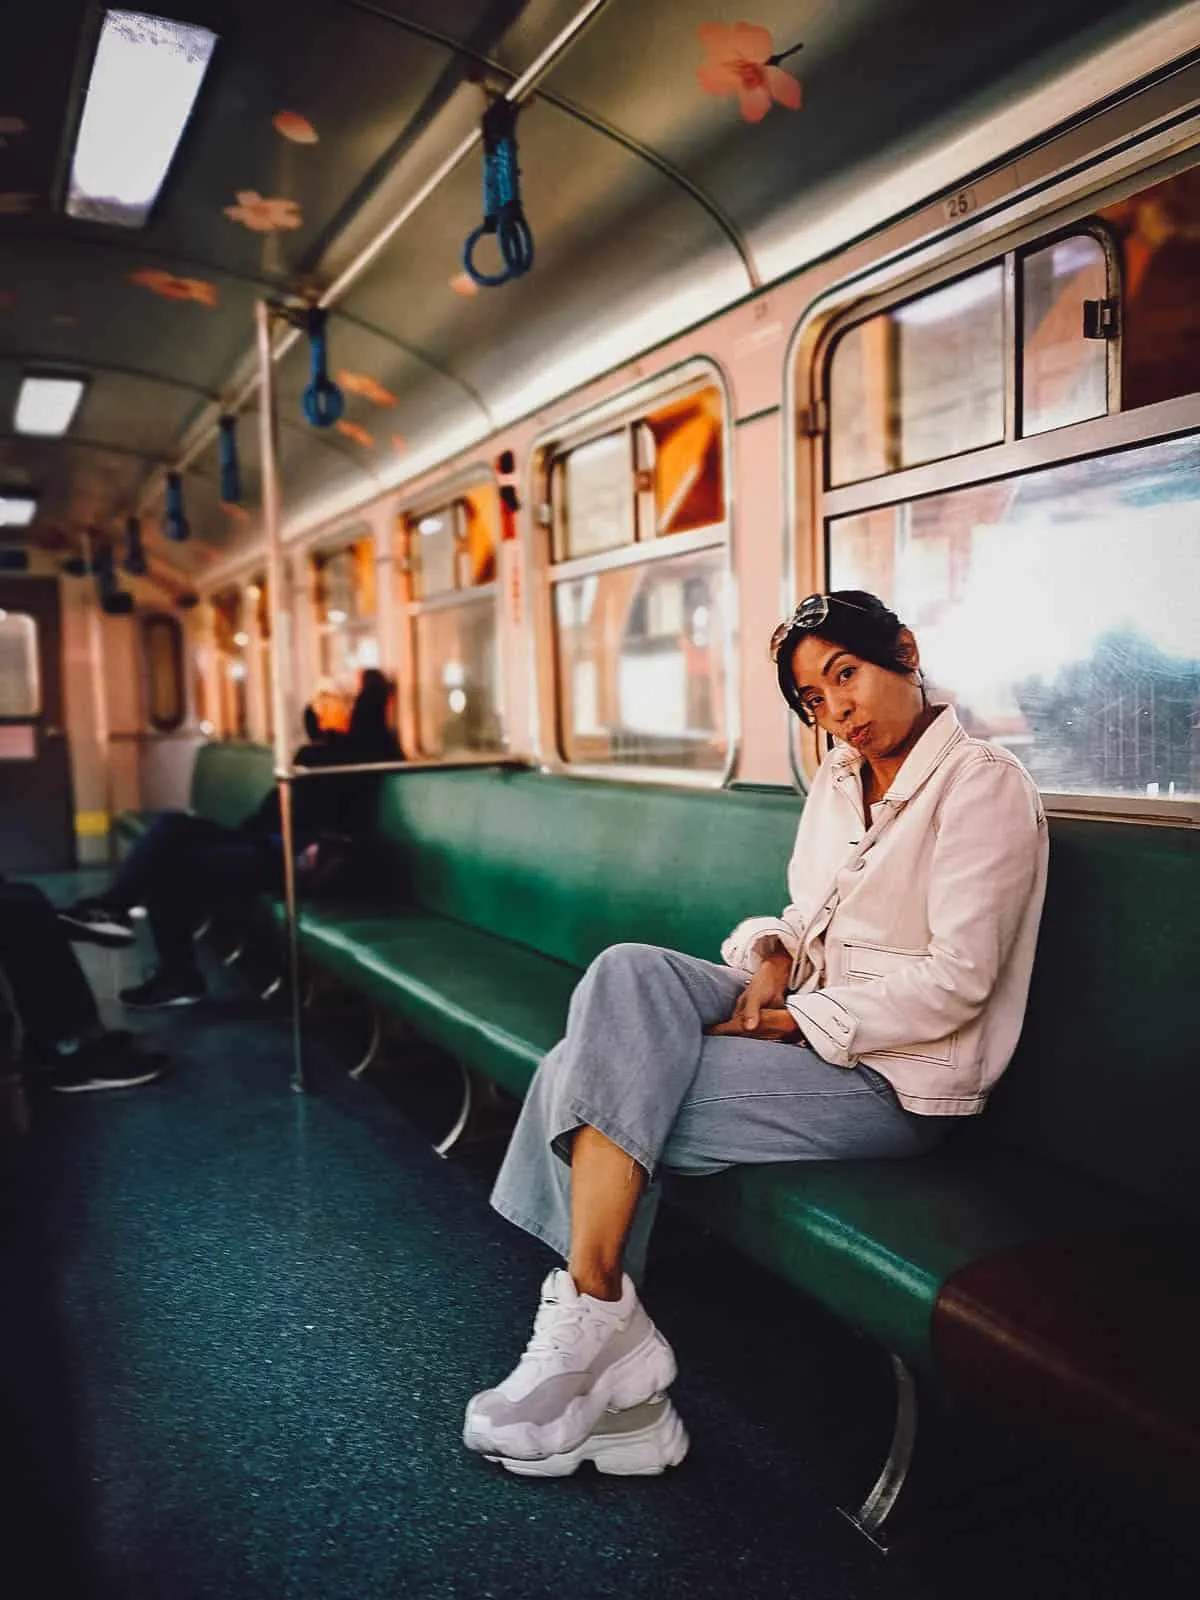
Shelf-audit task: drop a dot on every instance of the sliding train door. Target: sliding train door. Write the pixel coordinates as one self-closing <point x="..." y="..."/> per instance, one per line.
<point x="36" y="812"/>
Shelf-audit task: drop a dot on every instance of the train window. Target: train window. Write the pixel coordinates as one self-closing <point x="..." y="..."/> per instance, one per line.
<point x="347" y="640"/>
<point x="1064" y="374"/>
<point x="1057" y="612"/>
<point x="230" y="640"/>
<point x="658" y="476"/>
<point x="1158" y="238"/>
<point x="1053" y="580"/>
<point x="450" y="597"/>
<point x="920" y="381"/>
<point x="20" y="677"/>
<point x="659" y="698"/>
<point x="640" y="600"/>
<point x="596" y="497"/>
<point x="162" y="652"/>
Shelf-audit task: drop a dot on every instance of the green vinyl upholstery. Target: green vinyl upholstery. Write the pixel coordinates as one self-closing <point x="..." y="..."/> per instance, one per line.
<point x="494" y="888"/>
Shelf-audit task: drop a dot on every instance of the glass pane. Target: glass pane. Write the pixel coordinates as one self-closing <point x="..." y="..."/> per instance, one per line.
<point x="20" y="678"/>
<point x="230" y="638"/>
<point x="457" y="672"/>
<point x="1060" y="613"/>
<point x="346" y="583"/>
<point x="685" y="439"/>
<point x="434" y="544"/>
<point x="921" y="381"/>
<point x="641" y="664"/>
<point x="1064" y="375"/>
<point x="1158" y="231"/>
<point x="162" y="642"/>
<point x="597" y="508"/>
<point x="863" y="440"/>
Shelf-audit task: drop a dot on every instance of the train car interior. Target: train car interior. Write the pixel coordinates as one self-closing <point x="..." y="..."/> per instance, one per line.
<point x="415" y="421"/>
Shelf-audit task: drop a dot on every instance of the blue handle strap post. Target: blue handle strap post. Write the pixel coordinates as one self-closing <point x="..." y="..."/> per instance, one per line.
<point x="502" y="212"/>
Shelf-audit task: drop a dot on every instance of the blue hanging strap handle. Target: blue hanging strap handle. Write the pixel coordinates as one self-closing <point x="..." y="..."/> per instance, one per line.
<point x="176" y="524"/>
<point x="502" y="213"/>
<point x="231" y="477"/>
<point x="323" y="400"/>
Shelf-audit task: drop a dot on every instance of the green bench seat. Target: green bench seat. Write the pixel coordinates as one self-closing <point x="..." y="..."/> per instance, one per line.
<point x="497" y="887"/>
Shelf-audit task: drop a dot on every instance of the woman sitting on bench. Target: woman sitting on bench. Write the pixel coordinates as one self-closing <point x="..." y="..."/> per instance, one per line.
<point x="882" y="1004"/>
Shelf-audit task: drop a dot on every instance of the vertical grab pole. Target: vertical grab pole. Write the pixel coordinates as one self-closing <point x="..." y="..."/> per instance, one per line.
<point x="280" y="610"/>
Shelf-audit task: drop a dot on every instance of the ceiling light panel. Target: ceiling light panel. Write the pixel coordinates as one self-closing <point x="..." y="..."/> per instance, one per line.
<point x="145" y="79"/>
<point x="16" y="508"/>
<point x="46" y="406"/>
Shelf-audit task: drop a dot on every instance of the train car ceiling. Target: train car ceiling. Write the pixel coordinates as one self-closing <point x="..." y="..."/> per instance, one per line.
<point x="672" y="160"/>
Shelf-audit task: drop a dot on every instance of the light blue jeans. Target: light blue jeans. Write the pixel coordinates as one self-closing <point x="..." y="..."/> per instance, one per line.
<point x="636" y="1064"/>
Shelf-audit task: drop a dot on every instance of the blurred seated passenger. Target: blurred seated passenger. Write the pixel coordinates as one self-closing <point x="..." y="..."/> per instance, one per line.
<point x="48" y="1015"/>
<point x="185" y="866"/>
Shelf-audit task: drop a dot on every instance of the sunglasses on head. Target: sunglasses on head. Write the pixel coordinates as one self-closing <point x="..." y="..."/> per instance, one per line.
<point x="810" y="613"/>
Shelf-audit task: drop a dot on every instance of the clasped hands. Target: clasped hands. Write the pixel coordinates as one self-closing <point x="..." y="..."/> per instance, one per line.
<point x="760" y="1012"/>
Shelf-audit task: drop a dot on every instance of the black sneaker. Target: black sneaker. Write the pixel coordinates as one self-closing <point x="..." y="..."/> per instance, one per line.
<point x="106" y="1063"/>
<point x="164" y="988"/>
<point x="95" y="923"/>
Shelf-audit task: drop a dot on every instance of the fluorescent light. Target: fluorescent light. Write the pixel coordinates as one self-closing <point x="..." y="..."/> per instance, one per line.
<point x="145" y="79"/>
<point x="429" y="525"/>
<point x="17" y="507"/>
<point x="46" y="406"/>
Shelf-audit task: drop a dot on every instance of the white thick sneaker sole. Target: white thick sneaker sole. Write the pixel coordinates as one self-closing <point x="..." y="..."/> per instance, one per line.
<point x="647" y="1370"/>
<point x="641" y="1443"/>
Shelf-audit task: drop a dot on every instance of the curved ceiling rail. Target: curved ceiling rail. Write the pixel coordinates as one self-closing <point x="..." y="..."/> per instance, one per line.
<point x="518" y="89"/>
<point x="589" y="119"/>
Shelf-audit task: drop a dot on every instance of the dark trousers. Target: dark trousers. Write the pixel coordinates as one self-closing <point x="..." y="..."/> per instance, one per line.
<point x="48" y="988"/>
<point x="182" y="870"/>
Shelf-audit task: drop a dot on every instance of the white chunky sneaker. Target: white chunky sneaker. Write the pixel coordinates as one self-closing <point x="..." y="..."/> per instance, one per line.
<point x="585" y="1357"/>
<point x="639" y="1443"/>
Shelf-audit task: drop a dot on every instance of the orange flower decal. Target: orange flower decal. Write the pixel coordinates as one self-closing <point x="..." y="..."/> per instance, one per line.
<point x="16" y="205"/>
<point x="463" y="283"/>
<point x="352" y="430"/>
<point x="399" y="444"/>
<point x="263" y="216"/>
<point x="741" y="61"/>
<point x="170" y="287"/>
<point x="291" y="125"/>
<point x="368" y="388"/>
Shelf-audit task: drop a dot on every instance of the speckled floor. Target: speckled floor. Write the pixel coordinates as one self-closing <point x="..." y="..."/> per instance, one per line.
<point x="237" y="1328"/>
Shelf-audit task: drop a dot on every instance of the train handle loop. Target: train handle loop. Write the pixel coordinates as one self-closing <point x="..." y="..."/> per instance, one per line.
<point x="503" y="215"/>
<point x="323" y="400"/>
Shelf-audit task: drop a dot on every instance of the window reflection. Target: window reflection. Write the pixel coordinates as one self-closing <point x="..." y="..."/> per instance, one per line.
<point x="1058" y="611"/>
<point x="641" y="664"/>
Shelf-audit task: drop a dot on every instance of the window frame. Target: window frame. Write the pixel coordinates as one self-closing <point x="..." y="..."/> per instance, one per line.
<point x="626" y="410"/>
<point x="1015" y="233"/>
<point x="411" y="609"/>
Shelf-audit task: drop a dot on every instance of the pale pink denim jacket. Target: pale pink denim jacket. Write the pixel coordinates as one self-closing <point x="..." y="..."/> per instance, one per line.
<point x="912" y="938"/>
